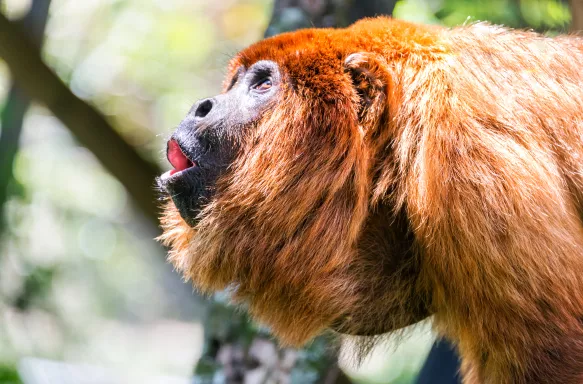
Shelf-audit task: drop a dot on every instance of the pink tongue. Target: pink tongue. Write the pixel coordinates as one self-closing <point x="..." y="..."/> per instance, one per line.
<point x="177" y="158"/>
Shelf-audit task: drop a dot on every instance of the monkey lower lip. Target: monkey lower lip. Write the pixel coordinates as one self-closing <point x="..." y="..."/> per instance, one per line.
<point x="175" y="171"/>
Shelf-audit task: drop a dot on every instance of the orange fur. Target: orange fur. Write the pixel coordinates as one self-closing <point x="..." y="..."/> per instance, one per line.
<point x="457" y="193"/>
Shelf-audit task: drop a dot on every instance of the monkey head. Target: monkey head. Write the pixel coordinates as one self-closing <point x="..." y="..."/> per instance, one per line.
<point x="279" y="190"/>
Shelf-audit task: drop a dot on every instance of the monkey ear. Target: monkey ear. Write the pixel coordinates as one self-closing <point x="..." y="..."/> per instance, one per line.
<point x="371" y="80"/>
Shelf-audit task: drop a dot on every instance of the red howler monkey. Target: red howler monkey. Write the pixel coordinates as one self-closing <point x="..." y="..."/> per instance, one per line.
<point x="362" y="179"/>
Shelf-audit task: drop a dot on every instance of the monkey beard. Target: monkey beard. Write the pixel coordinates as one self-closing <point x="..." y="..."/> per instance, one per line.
<point x="296" y="297"/>
<point x="297" y="285"/>
<point x="280" y="231"/>
<point x="289" y="286"/>
<point x="299" y="299"/>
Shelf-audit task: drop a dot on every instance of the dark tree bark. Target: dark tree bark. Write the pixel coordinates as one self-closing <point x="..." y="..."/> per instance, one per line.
<point x="442" y="365"/>
<point x="577" y="15"/>
<point x="289" y="15"/>
<point x="89" y="127"/>
<point x="17" y="103"/>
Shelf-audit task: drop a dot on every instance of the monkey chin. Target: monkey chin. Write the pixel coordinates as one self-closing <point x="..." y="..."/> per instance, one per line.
<point x="298" y="307"/>
<point x="296" y="312"/>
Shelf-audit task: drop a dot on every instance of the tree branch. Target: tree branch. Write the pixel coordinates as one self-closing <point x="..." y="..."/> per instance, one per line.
<point x="89" y="127"/>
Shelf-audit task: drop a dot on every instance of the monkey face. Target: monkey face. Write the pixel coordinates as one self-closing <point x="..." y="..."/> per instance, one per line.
<point x="209" y="138"/>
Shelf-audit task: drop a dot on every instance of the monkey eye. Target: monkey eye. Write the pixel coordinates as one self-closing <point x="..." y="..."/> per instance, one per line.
<point x="262" y="85"/>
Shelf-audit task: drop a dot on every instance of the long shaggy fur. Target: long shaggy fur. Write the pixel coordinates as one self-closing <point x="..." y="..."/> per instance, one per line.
<point x="457" y="193"/>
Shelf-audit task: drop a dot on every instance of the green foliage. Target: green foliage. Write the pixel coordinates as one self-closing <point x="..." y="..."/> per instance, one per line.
<point x="540" y="15"/>
<point x="546" y="14"/>
<point x="9" y="374"/>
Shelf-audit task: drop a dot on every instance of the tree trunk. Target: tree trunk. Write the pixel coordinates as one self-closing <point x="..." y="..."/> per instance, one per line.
<point x="289" y="15"/>
<point x="577" y="15"/>
<point x="17" y="104"/>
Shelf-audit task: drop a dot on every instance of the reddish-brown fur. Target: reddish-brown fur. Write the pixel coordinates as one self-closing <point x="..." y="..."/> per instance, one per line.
<point x="457" y="192"/>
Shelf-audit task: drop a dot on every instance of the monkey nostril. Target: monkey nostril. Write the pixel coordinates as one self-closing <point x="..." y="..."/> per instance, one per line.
<point x="203" y="108"/>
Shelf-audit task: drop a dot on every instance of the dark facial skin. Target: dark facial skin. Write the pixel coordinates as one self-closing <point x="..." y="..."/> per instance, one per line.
<point x="208" y="140"/>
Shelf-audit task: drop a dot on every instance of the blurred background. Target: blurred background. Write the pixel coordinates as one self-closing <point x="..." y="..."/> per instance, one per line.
<point x="89" y="92"/>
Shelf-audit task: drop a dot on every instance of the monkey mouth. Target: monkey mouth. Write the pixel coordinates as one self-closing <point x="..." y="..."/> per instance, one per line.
<point x="177" y="159"/>
<point x="190" y="184"/>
